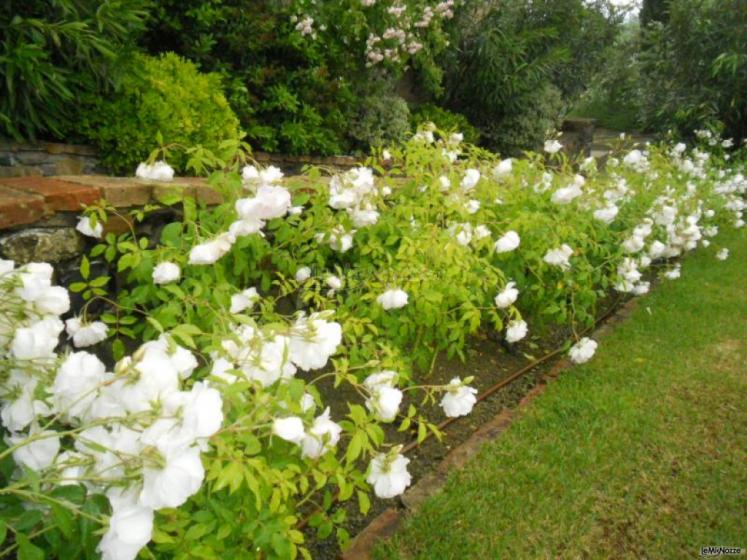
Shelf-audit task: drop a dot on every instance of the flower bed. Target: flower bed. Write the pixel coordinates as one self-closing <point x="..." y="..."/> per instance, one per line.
<point x="207" y="435"/>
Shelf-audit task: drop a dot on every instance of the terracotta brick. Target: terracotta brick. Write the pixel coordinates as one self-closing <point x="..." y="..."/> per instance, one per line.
<point x="58" y="195"/>
<point x="19" y="208"/>
<point x="201" y="192"/>
<point x="120" y="192"/>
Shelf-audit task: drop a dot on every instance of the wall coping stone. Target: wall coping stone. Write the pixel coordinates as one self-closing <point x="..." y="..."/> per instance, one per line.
<point x="28" y="200"/>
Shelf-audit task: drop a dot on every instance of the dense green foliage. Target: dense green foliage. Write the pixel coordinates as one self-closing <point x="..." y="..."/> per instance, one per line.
<point x="326" y="77"/>
<point x="570" y="468"/>
<point x="517" y="63"/>
<point x="694" y="68"/>
<point x="54" y="51"/>
<point x="162" y="98"/>
<point x="380" y="119"/>
<point x="445" y="120"/>
<point x="292" y="92"/>
<point x="685" y="69"/>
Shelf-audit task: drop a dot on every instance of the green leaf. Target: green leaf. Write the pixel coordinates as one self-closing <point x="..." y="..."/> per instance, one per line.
<point x="3" y="531"/>
<point x="85" y="267"/>
<point x="364" y="502"/>
<point x="356" y="446"/>
<point x="27" y="550"/>
<point x="63" y="519"/>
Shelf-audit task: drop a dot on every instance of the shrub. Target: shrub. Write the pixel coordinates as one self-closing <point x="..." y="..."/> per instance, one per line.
<point x="162" y="100"/>
<point x="214" y="437"/>
<point x="296" y="70"/>
<point x="54" y="52"/>
<point x="381" y="119"/>
<point x="694" y="68"/>
<point x="511" y="59"/>
<point x="444" y="120"/>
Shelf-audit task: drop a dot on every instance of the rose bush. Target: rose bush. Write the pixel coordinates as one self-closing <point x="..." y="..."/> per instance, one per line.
<point x="261" y="347"/>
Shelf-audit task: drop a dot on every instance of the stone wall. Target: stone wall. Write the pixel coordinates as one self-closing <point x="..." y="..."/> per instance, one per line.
<point x="49" y="158"/>
<point x="38" y="215"/>
<point x="46" y="158"/>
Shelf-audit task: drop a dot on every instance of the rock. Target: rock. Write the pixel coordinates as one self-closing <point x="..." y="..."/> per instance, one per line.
<point x="51" y="245"/>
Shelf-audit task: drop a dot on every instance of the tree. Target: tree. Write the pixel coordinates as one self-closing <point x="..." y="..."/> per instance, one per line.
<point x="654" y="10"/>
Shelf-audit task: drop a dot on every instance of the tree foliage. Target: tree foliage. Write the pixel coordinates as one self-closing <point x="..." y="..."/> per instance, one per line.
<point x="52" y="52"/>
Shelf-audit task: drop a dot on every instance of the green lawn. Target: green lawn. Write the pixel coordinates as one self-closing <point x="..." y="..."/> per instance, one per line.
<point x="641" y="453"/>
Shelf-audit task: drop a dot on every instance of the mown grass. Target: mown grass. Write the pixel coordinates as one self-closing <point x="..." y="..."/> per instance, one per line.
<point x="641" y="453"/>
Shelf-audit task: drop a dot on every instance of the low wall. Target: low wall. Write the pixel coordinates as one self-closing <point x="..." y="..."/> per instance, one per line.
<point x="51" y="158"/>
<point x="46" y="158"/>
<point x="38" y="215"/>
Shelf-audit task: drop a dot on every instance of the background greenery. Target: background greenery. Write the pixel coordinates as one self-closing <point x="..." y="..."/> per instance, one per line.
<point x="504" y="72"/>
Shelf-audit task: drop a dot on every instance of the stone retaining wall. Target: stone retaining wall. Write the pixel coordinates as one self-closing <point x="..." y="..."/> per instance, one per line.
<point x="50" y="158"/>
<point x="38" y="215"/>
<point x="46" y="158"/>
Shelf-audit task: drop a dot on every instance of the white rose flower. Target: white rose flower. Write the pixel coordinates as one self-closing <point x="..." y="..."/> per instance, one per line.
<point x="481" y="232"/>
<point x="210" y="251"/>
<point x="313" y="340"/>
<point x="172" y="485"/>
<point x="566" y="194"/>
<point x="244" y="300"/>
<point x="559" y="257"/>
<point x="321" y="437"/>
<point x="583" y="350"/>
<point x="39" y="454"/>
<point x="54" y="301"/>
<point x="388" y="475"/>
<point x="392" y="299"/>
<point x="166" y="272"/>
<point x="84" y="226"/>
<point x="37" y="341"/>
<point x="472" y="206"/>
<point x="507" y="297"/>
<point x="503" y="168"/>
<point x="290" y="429"/>
<point x="723" y="254"/>
<point x="516" y="330"/>
<point x="633" y="244"/>
<point x="471" y="178"/>
<point x="444" y="182"/>
<point x="130" y="529"/>
<point x="303" y="274"/>
<point x="271" y="174"/>
<point x="606" y="214"/>
<point x="459" y="399"/>
<point x="552" y="146"/>
<point x="508" y="242"/>
<point x="158" y="171"/>
<point x="6" y="266"/>
<point x="385" y="378"/>
<point x="85" y="334"/>
<point x="18" y="413"/>
<point x="201" y="409"/>
<point x="244" y="227"/>
<point x="673" y="273"/>
<point x="333" y="282"/>
<point x="76" y="384"/>
<point x="249" y="173"/>
<point x="384" y="402"/>
<point x="641" y="288"/>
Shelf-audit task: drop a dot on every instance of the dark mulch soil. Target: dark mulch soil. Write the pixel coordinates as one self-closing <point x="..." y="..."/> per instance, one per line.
<point x="489" y="362"/>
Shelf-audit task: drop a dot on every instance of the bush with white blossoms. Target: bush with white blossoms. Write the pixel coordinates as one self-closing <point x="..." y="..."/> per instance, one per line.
<point x="272" y="301"/>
